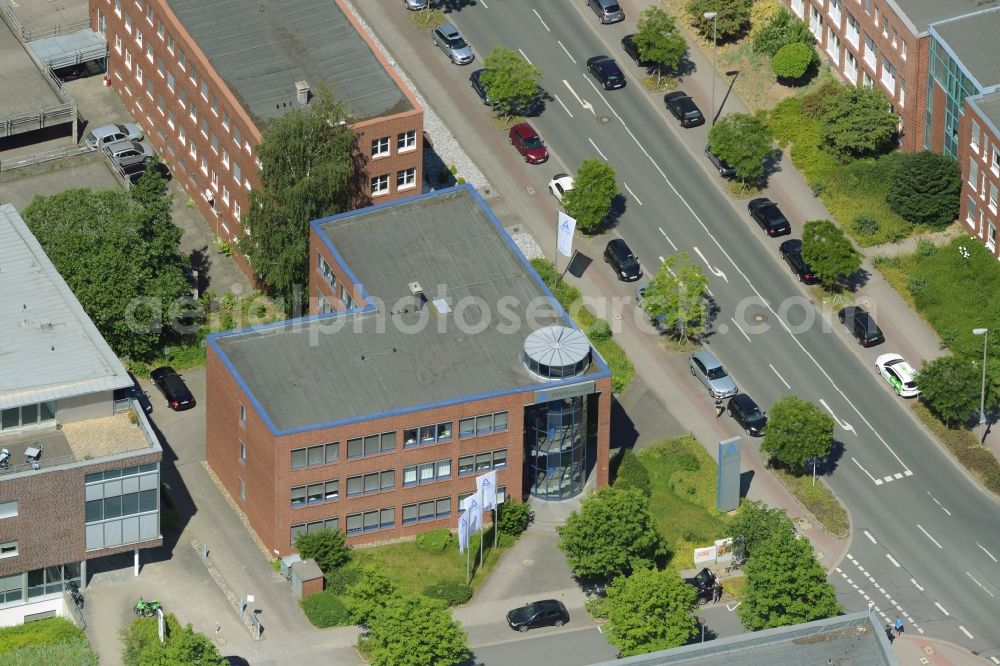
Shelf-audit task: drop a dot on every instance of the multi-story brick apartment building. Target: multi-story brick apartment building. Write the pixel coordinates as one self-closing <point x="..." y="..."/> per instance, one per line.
<point x="434" y="353"/>
<point x="204" y="78"/>
<point x="979" y="136"/>
<point x="93" y="487"/>
<point x="928" y="57"/>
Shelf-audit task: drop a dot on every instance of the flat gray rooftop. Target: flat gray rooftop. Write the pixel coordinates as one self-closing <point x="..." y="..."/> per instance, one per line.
<point x="989" y="106"/>
<point x="973" y="39"/>
<point x="46" y="17"/>
<point x="260" y="48"/>
<point x="21" y="74"/>
<point x="925" y="12"/>
<point x="346" y="367"/>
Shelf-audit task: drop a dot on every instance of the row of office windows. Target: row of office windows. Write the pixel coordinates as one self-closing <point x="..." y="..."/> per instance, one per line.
<point x="25" y="416"/>
<point x="21" y="587"/>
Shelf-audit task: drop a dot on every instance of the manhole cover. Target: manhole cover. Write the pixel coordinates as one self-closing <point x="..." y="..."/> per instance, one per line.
<point x="528" y="562"/>
<point x="757" y="318"/>
<point x="531" y="190"/>
<point x="604" y="120"/>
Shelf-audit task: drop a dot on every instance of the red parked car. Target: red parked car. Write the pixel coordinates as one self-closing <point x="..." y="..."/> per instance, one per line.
<point x="524" y="137"/>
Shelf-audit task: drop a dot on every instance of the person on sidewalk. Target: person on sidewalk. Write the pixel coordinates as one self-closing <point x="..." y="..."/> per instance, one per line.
<point x="889" y="633"/>
<point x="719" y="408"/>
<point x="716" y="591"/>
<point x="898" y="626"/>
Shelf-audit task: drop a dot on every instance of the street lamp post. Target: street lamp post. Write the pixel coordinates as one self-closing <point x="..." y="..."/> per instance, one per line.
<point x="982" y="395"/>
<point x="714" y="18"/>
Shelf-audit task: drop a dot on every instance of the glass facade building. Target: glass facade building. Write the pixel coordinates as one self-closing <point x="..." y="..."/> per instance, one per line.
<point x="947" y="73"/>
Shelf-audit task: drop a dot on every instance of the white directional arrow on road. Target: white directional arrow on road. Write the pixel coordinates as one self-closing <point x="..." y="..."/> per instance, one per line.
<point x="715" y="271"/>
<point x="584" y="103"/>
<point x="843" y="424"/>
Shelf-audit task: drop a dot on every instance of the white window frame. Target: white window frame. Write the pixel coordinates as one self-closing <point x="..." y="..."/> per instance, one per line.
<point x="8" y="549"/>
<point x="406" y="141"/>
<point x="380" y="147"/>
<point x="380" y="185"/>
<point x="406" y="179"/>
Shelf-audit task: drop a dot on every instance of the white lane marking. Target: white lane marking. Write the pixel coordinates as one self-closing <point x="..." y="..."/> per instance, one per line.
<point x="982" y="548"/>
<point x="567" y="53"/>
<point x="741" y="330"/>
<point x="899" y="475"/>
<point x="877" y="482"/>
<point x="541" y="21"/>
<point x="661" y="259"/>
<point x="870" y="537"/>
<point x="843" y="424"/>
<point x="715" y="271"/>
<point x="930" y="537"/>
<point x="563" y="106"/>
<point x="980" y="584"/>
<point x="523" y="55"/>
<point x="888" y="478"/>
<point x="485" y="5"/>
<point x="632" y="193"/>
<point x="668" y="239"/>
<point x="916" y="584"/>
<point x="733" y="607"/>
<point x="779" y="376"/>
<point x="907" y="473"/>
<point x="966" y="632"/>
<point x="940" y="505"/>
<point x="893" y="560"/>
<point x="941" y="608"/>
<point x="603" y="156"/>
<point x="995" y="660"/>
<point x="920" y="630"/>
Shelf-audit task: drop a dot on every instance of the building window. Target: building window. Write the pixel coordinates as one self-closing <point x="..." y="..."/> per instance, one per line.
<point x="118" y="44"/>
<point x="27" y="416"/>
<point x="225" y="158"/>
<point x="481" y="462"/>
<point x="243" y="415"/>
<point x="160" y="104"/>
<point x="138" y="74"/>
<point x="380" y="147"/>
<point x="203" y="125"/>
<point x="204" y="90"/>
<point x="204" y="165"/>
<point x="214" y="143"/>
<point x="326" y="270"/>
<point x="182" y="60"/>
<point x="367" y="484"/>
<point x="427" y="434"/>
<point x="482" y="425"/>
<point x="118" y="7"/>
<point x="993" y="198"/>
<point x="973" y="173"/>
<point x="314" y="456"/>
<point x="406" y="141"/>
<point x="315" y="493"/>
<point x="170" y="43"/>
<point x="372" y="445"/>
<point x="970" y="214"/>
<point x="236" y="136"/>
<point x="995" y="162"/>
<point x="236" y="211"/>
<point x="237" y="172"/>
<point x="8" y="509"/>
<point x="225" y="120"/>
<point x="193" y="75"/>
<point x="428" y="472"/>
<point x="406" y="178"/>
<point x="380" y="185"/>
<point x="371" y="521"/>
<point x="991" y="237"/>
<point x="426" y="511"/>
<point x="149" y="52"/>
<point x="243" y="453"/>
<point x="976" y="137"/>
<point x="8" y="549"/>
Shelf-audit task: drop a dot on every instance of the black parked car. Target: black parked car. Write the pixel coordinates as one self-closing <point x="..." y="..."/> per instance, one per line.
<point x="607" y="72"/>
<point x="538" y="614"/>
<point x="173" y="388"/>
<point x="791" y="252"/>
<point x="720" y="164"/>
<point x="769" y="217"/>
<point x="629" y="46"/>
<point x="861" y="325"/>
<point x="704" y="582"/>
<point x="684" y="109"/>
<point x="623" y="260"/>
<point x="477" y="85"/>
<point x="746" y="412"/>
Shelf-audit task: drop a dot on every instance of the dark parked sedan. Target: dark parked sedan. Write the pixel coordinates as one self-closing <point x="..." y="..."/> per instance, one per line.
<point x="538" y="614"/>
<point x="746" y="412"/>
<point x="861" y="325"/>
<point x="477" y="85"/>
<point x="791" y="252"/>
<point x="630" y="47"/>
<point x="621" y="258"/>
<point x="703" y="581"/>
<point x="607" y="72"/>
<point x="720" y="164"/>
<point x="684" y="109"/>
<point x="769" y="217"/>
<point x="173" y="388"/>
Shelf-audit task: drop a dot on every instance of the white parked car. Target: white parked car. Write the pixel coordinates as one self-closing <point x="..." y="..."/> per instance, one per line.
<point x="900" y="375"/>
<point x="560" y="184"/>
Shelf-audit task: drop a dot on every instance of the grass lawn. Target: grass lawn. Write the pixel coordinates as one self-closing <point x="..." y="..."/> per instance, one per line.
<point x="682" y="478"/>
<point x="819" y="500"/>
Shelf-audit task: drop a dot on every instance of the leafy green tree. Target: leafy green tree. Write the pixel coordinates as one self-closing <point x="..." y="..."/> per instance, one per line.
<point x="797" y="430"/>
<point x="761" y="14"/>
<point x="650" y="610"/>
<point x="675" y="297"/>
<point x="785" y="585"/>
<point x="756" y="522"/>
<point x="370" y="595"/>
<point x="612" y="534"/>
<point x="743" y="141"/>
<point x="513" y="517"/>
<point x="732" y="21"/>
<point x="951" y="387"/>
<point x="792" y="61"/>
<point x="183" y="647"/>
<point x="829" y="252"/>
<point x="857" y="122"/>
<point x="309" y="169"/>
<point x="118" y="252"/>
<point x="659" y="41"/>
<point x="594" y="188"/>
<point x="328" y="547"/>
<point x="511" y="82"/>
<point x="782" y="29"/>
<point x="631" y="473"/>
<point x="416" y="631"/>
<point x="924" y="188"/>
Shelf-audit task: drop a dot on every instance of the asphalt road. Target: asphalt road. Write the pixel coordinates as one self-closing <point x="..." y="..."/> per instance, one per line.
<point x="925" y="542"/>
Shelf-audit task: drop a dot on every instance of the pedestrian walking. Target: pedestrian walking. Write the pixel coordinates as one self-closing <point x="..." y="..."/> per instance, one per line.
<point x="717" y="591"/>
<point x="889" y="634"/>
<point x="719" y="408"/>
<point x="898" y="626"/>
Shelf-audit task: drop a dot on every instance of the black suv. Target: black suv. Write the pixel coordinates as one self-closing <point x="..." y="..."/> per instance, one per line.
<point x="769" y="217"/>
<point x="623" y="260"/>
<point x="607" y="72"/>
<point x="704" y="582"/>
<point x="720" y="164"/>
<point x="173" y="388"/>
<point x="791" y="252"/>
<point x="478" y="86"/>
<point x="538" y="614"/>
<point x="861" y="325"/>
<point x="684" y="109"/>
<point x="746" y="412"/>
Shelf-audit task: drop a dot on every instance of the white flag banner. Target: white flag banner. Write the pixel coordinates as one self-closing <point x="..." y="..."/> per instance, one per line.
<point x="564" y="241"/>
<point x="473" y="507"/>
<point x="486" y="486"/>
<point x="463" y="532"/>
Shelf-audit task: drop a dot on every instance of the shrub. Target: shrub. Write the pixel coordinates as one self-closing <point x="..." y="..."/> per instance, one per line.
<point x="865" y="225"/>
<point x="818" y="188"/>
<point x="595" y="605"/>
<point x="792" y="61"/>
<point x="924" y="188"/>
<point x="599" y="331"/>
<point x="324" y="609"/>
<point x="42" y="632"/>
<point x="782" y="30"/>
<point x="926" y="247"/>
<point x="857" y="122"/>
<point x="328" y="547"/>
<point x="513" y="518"/>
<point x="812" y="102"/>
<point x="452" y="592"/>
<point x="342" y="578"/>
<point x="761" y="14"/>
<point x="435" y="541"/>
<point x="632" y="474"/>
<point x="688" y="462"/>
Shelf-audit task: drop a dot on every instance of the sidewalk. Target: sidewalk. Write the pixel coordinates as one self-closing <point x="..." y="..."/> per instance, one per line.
<point x="931" y="652"/>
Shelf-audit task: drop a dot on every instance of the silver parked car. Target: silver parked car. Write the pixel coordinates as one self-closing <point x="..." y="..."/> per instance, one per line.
<point x="447" y="38"/>
<point x="127" y="151"/>
<point x="414" y="5"/>
<point x="106" y="134"/>
<point x="710" y="372"/>
<point x="608" y="11"/>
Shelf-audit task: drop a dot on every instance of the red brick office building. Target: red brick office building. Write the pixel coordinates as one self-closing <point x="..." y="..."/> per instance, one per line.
<point x="204" y="78"/>
<point x="444" y="357"/>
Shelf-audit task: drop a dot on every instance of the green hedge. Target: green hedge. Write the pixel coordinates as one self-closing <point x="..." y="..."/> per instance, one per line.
<point x="325" y="609"/>
<point x="452" y="592"/>
<point x="435" y="541"/>
<point x="631" y="474"/>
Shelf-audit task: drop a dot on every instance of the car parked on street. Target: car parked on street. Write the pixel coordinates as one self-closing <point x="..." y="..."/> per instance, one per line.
<point x="475" y="80"/>
<point x="861" y="325"/>
<point x="621" y="258"/>
<point x="791" y="252"/>
<point x="173" y="388"/>
<point x="548" y="612"/>
<point x="659" y="321"/>
<point x="121" y="152"/>
<point x="414" y="5"/>
<point x="106" y="134"/>
<point x="684" y="109"/>
<point x="447" y="38"/>
<point x="745" y="411"/>
<point x="607" y="72"/>
<point x="560" y="184"/>
<point x="704" y="583"/>
<point x="527" y="142"/>
<point x="770" y="218"/>
<point x="632" y="49"/>
<point x="712" y="375"/>
<point x="608" y="11"/>
<point x="900" y="374"/>
<point x="721" y="165"/>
